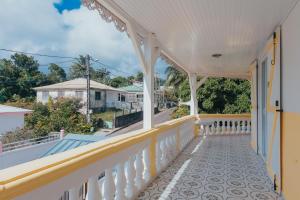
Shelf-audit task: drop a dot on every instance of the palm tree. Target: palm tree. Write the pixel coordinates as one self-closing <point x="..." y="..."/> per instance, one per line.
<point x="174" y="77"/>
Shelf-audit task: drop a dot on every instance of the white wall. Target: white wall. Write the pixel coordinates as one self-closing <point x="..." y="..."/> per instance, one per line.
<point x="10" y="122"/>
<point x="15" y="157"/>
<point x="291" y="61"/>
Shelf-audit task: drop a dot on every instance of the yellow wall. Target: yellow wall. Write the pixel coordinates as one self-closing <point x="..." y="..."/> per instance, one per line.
<point x="291" y="155"/>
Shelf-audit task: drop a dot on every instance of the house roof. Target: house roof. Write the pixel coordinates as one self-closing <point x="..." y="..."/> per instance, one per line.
<point x="132" y="88"/>
<point x="78" y="83"/>
<point x="72" y="141"/>
<point x="11" y="109"/>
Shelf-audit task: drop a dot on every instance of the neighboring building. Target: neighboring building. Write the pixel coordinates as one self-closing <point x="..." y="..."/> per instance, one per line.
<point x="11" y="118"/>
<point x="101" y="96"/>
<point x="132" y="97"/>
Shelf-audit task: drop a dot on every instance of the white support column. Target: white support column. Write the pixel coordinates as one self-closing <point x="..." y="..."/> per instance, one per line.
<point x="147" y="60"/>
<point x="151" y="53"/>
<point x="193" y="88"/>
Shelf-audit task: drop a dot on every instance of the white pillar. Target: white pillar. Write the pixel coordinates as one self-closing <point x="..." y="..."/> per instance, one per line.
<point x="147" y="60"/>
<point x="193" y="88"/>
<point x="151" y="53"/>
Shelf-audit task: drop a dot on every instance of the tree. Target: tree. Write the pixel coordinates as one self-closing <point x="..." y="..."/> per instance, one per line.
<point x="18" y="75"/>
<point x="101" y="75"/>
<point x="139" y="77"/>
<point x="217" y="95"/>
<point x="78" y="69"/>
<point x="119" y="81"/>
<point x="56" y="73"/>
<point x="223" y="95"/>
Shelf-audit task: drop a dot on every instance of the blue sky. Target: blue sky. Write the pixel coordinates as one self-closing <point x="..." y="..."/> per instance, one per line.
<point x="66" y="28"/>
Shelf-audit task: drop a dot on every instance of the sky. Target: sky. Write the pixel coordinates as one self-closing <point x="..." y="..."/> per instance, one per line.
<point x="66" y="28"/>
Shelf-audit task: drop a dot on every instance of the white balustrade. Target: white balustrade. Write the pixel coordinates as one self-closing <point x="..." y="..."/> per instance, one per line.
<point x="231" y="125"/>
<point x="113" y="176"/>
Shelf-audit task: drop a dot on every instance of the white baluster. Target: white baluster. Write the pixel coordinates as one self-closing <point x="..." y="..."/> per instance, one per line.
<point x="228" y="127"/>
<point x="233" y="128"/>
<point x="109" y="185"/>
<point x="248" y="127"/>
<point x="223" y="127"/>
<point x="207" y="130"/>
<point x="139" y="182"/>
<point x="121" y="182"/>
<point x="146" y="159"/>
<point x="218" y="127"/>
<point x="74" y="194"/>
<point x="243" y="127"/>
<point x="93" y="192"/>
<point x="130" y="187"/>
<point x="213" y="130"/>
<point x="158" y="157"/>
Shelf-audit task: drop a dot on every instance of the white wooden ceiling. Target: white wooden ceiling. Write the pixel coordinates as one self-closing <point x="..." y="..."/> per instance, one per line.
<point x="193" y="30"/>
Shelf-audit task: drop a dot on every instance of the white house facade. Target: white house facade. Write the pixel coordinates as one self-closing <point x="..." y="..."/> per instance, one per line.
<point x="11" y="118"/>
<point x="101" y="96"/>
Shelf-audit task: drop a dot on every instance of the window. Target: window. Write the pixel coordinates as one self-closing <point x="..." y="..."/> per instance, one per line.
<point x="60" y="94"/>
<point x="121" y="97"/>
<point x="79" y="94"/>
<point x="45" y="95"/>
<point x="98" y="96"/>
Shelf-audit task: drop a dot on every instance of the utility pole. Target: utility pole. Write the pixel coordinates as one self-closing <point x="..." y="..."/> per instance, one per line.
<point x="87" y="65"/>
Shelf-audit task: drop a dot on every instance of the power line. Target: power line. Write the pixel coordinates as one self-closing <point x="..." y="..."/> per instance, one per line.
<point x="37" y="54"/>
<point x="105" y="66"/>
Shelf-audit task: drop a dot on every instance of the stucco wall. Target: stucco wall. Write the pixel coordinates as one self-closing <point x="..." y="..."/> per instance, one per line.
<point x="72" y="94"/>
<point x="291" y="106"/>
<point x="10" y="122"/>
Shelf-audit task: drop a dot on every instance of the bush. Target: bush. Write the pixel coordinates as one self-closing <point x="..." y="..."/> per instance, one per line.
<point x="180" y="111"/>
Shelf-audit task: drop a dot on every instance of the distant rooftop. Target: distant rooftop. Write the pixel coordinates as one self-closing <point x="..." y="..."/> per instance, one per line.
<point x="78" y="83"/>
<point x="72" y="141"/>
<point x="10" y="109"/>
<point x="132" y="88"/>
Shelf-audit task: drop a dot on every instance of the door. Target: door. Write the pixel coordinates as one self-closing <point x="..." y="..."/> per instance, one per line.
<point x="270" y="102"/>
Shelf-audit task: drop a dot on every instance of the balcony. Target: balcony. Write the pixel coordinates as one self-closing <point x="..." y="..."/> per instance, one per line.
<point x="174" y="159"/>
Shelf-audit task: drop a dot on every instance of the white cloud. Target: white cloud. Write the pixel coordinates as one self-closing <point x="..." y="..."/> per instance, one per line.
<point x="36" y="26"/>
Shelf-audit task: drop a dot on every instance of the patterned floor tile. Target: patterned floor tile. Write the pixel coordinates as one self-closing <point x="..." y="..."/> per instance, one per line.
<point x="223" y="168"/>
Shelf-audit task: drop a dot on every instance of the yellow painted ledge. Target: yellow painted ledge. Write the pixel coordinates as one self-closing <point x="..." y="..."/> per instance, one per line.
<point x="234" y="116"/>
<point x="20" y="179"/>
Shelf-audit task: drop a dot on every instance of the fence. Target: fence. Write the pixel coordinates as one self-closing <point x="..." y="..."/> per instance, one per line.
<point x="30" y="142"/>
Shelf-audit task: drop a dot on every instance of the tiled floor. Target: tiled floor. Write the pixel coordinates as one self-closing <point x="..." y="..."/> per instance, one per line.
<point x="215" y="168"/>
